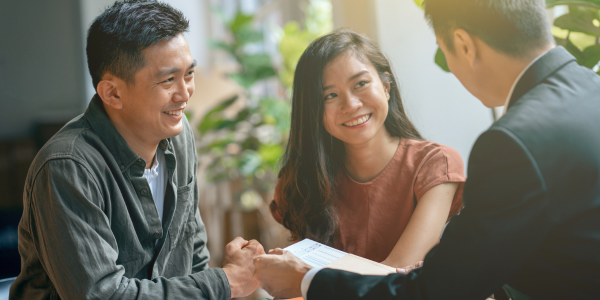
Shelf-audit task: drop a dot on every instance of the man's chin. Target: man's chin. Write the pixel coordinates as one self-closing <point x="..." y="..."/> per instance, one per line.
<point x="174" y="131"/>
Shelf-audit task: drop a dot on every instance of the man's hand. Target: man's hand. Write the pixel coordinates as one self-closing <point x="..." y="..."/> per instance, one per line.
<point x="239" y="267"/>
<point x="408" y="269"/>
<point x="280" y="273"/>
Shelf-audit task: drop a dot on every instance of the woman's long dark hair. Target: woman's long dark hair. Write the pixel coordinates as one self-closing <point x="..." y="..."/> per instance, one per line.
<point x="313" y="157"/>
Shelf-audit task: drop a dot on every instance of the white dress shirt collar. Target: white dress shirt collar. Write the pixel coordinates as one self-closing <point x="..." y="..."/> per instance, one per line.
<point x="514" y="85"/>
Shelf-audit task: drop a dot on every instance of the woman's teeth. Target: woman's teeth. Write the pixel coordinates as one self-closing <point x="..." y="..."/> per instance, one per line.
<point x="358" y="121"/>
<point x="174" y="112"/>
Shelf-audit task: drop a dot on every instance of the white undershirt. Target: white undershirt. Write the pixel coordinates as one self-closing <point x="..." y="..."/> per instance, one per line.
<point x="157" y="180"/>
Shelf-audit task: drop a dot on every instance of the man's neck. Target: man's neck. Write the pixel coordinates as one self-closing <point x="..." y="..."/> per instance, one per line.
<point x="508" y="70"/>
<point x="142" y="147"/>
<point x="538" y="54"/>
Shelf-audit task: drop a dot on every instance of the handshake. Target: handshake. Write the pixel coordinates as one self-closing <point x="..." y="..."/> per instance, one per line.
<point x="247" y="267"/>
<point x="279" y="273"/>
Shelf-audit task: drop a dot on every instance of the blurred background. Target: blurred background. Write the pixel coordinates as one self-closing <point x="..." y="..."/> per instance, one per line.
<point x="247" y="51"/>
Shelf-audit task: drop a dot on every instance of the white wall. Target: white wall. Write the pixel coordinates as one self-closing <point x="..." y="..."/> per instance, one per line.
<point x="40" y="64"/>
<point x="441" y="108"/>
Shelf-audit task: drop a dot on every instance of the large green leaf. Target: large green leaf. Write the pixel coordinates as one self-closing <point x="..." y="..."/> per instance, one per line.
<point x="579" y="22"/>
<point x="276" y="112"/>
<point x="240" y="20"/>
<point x="570" y="47"/>
<point x="214" y="118"/>
<point x="589" y="3"/>
<point x="255" y="67"/>
<point x="246" y="35"/>
<point x="243" y="80"/>
<point x="249" y="162"/>
<point x="293" y="43"/>
<point x="222" y="45"/>
<point x="591" y="56"/>
<point x="249" y="78"/>
<point x="440" y="60"/>
<point x="270" y="153"/>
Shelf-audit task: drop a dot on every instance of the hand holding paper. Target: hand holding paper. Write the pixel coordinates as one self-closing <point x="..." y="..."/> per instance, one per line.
<point x="280" y="273"/>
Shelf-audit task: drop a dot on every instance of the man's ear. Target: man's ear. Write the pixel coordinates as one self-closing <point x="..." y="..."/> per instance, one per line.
<point x="464" y="46"/>
<point x="109" y="90"/>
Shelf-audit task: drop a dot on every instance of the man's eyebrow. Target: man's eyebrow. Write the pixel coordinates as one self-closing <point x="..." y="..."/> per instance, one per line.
<point x="349" y="79"/>
<point x="164" y="72"/>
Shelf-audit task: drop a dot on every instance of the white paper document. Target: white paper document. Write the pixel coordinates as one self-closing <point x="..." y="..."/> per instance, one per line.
<point x="314" y="253"/>
<point x="321" y="256"/>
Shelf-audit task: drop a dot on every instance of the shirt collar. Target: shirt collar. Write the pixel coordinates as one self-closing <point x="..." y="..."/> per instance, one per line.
<point x="111" y="138"/>
<point x="512" y="88"/>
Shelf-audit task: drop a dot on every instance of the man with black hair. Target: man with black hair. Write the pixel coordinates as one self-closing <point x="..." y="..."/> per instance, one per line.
<point x="530" y="228"/>
<point x="110" y="203"/>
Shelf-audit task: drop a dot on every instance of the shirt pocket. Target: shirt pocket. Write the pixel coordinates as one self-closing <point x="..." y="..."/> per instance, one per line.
<point x="186" y="225"/>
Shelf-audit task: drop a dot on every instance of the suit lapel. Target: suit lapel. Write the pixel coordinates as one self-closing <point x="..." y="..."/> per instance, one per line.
<point x="540" y="70"/>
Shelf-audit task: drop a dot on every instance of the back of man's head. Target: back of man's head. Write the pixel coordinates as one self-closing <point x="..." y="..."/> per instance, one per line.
<point x="514" y="27"/>
<point x="117" y="37"/>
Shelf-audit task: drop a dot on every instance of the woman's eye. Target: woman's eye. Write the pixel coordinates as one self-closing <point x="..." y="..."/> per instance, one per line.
<point x="361" y="84"/>
<point x="190" y="73"/>
<point x="330" y="96"/>
<point x="169" y="80"/>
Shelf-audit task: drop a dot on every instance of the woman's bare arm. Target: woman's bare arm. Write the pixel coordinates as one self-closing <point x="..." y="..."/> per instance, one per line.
<point x="424" y="227"/>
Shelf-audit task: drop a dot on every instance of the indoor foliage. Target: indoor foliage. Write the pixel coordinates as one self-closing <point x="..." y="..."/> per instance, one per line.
<point x="578" y="31"/>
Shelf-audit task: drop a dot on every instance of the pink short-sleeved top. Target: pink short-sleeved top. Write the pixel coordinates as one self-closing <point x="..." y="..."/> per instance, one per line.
<point x="373" y="215"/>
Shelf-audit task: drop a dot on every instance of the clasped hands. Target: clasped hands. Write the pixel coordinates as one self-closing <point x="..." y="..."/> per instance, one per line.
<point x="280" y="273"/>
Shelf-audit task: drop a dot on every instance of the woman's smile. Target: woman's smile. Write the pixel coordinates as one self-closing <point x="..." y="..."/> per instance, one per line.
<point x="359" y="121"/>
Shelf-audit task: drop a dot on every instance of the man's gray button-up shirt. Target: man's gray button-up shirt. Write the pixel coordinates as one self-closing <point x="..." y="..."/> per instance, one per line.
<point x="90" y="226"/>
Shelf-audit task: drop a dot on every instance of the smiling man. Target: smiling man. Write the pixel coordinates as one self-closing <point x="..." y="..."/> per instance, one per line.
<point x="111" y="200"/>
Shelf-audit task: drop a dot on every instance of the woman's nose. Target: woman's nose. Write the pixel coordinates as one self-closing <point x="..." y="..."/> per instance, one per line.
<point x="351" y="104"/>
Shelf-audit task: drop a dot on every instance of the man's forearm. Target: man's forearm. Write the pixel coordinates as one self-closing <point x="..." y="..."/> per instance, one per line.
<point x="208" y="284"/>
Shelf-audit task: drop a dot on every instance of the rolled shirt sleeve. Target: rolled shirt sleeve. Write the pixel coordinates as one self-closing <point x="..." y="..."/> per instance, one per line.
<point x="441" y="165"/>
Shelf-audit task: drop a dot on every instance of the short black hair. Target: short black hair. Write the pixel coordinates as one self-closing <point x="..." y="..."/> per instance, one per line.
<point x="514" y="27"/>
<point x="117" y="37"/>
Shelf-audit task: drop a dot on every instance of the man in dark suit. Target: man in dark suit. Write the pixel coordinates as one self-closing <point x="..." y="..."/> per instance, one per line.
<point x="531" y="222"/>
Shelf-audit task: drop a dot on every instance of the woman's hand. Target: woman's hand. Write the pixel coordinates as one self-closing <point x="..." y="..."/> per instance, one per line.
<point x="408" y="269"/>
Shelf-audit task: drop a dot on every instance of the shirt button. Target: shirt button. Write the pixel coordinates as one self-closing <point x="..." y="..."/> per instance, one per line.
<point x="122" y="167"/>
<point x="157" y="235"/>
<point x="144" y="192"/>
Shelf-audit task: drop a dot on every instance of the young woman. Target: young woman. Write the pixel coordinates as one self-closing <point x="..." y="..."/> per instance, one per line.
<point x="357" y="175"/>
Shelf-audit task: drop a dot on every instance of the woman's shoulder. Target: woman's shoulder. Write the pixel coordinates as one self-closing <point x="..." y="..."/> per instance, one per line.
<point x="426" y="150"/>
<point x="433" y="164"/>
